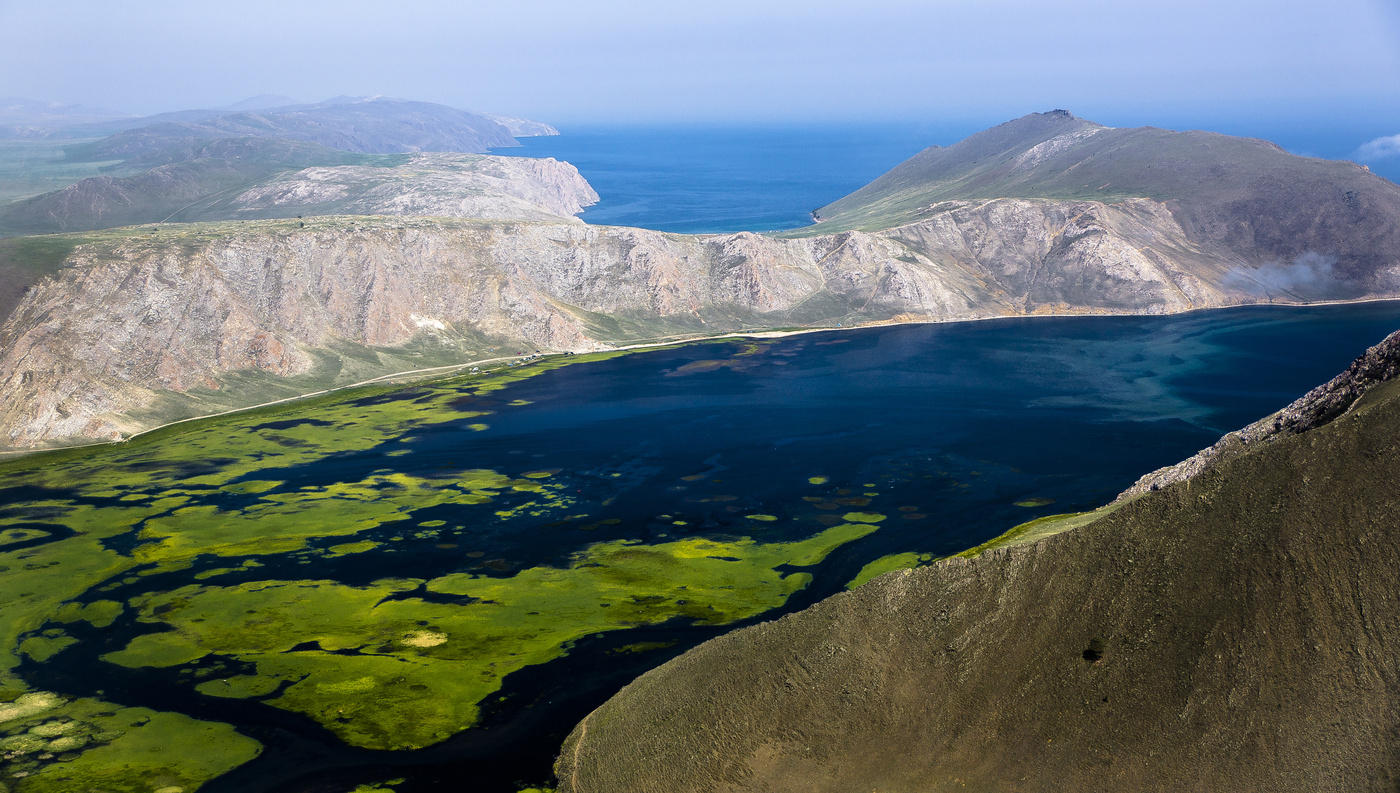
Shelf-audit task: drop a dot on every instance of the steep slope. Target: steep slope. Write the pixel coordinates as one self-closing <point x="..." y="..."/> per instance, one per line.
<point x="131" y="317"/>
<point x="1236" y="198"/>
<point x="1232" y="630"/>
<point x="236" y="178"/>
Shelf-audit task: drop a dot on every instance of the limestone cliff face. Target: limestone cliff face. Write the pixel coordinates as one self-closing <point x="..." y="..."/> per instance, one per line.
<point x="133" y="315"/>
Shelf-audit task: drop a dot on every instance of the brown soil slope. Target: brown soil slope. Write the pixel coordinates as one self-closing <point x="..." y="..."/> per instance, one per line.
<point x="1237" y="630"/>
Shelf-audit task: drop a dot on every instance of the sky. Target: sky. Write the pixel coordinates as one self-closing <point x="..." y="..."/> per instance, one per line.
<point x="574" y="61"/>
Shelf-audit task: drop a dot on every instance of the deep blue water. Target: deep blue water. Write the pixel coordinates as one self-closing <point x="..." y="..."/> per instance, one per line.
<point x="955" y="421"/>
<point x="713" y="178"/>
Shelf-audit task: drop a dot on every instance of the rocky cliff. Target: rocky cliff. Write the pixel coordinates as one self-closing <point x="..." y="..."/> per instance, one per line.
<point x="523" y="127"/>
<point x="1378" y="365"/>
<point x="441" y="185"/>
<point x="1234" y="629"/>
<point x="126" y="318"/>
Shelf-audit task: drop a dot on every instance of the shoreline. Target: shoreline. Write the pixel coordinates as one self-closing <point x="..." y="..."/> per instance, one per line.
<point x="414" y="376"/>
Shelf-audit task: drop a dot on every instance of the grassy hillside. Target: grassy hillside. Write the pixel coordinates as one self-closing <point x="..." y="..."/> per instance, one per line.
<point x="1242" y="201"/>
<point x="156" y="194"/>
<point x="124" y="171"/>
<point x="1213" y="181"/>
<point x="32" y="167"/>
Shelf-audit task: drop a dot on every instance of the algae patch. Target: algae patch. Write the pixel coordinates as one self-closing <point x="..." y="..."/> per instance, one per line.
<point x="190" y="542"/>
<point x="890" y="563"/>
<point x="386" y="670"/>
<point x="51" y="744"/>
<point x="1033" y="530"/>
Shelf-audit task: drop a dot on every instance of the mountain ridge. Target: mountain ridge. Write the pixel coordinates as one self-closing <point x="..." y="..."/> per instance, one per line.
<point x="162" y="168"/>
<point x="1244" y="195"/>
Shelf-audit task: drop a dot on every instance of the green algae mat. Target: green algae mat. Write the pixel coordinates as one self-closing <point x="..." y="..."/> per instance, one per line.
<point x="281" y="557"/>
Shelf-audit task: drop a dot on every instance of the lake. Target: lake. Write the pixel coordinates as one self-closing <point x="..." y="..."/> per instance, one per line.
<point x="426" y="587"/>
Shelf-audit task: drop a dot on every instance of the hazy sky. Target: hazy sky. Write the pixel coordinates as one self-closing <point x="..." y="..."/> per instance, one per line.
<point x="579" y="61"/>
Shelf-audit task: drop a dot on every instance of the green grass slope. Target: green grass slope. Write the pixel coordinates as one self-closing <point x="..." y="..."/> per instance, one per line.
<point x="200" y="173"/>
<point x="32" y="167"/>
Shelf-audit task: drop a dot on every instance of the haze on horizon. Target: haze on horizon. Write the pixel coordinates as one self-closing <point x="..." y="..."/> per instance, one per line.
<point x="1319" y="82"/>
<point x="619" y="60"/>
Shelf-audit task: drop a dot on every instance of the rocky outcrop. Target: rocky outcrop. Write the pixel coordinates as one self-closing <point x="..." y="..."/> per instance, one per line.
<point x="523" y="127"/>
<point x="133" y="314"/>
<point x="1377" y="366"/>
<point x="1236" y="630"/>
<point x="247" y="178"/>
<point x="441" y="185"/>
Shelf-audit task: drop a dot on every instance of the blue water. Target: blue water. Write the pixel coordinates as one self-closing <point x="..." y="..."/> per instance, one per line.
<point x="698" y="179"/>
<point x="719" y="179"/>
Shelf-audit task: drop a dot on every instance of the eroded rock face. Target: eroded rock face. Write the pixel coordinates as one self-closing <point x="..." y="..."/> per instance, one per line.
<point x="136" y="315"/>
<point x="248" y="179"/>
<point x="438" y="185"/>
<point x="1379" y="365"/>
<point x="1237" y="630"/>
